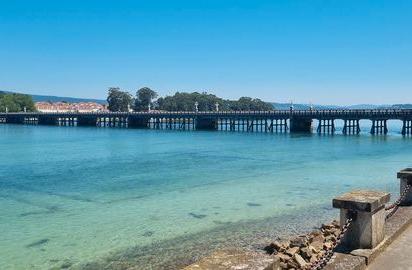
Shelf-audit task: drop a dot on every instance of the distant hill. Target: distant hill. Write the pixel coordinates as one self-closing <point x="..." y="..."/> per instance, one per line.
<point x="38" y="98"/>
<point x="286" y="106"/>
<point x="402" y="106"/>
<point x="44" y="98"/>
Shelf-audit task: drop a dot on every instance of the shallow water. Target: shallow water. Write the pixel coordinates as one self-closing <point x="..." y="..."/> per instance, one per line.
<point x="84" y="198"/>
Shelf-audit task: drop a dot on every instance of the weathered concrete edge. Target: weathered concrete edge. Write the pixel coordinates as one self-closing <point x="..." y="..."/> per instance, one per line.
<point x="359" y="259"/>
<point x="355" y="260"/>
<point x="342" y="261"/>
<point x="394" y="227"/>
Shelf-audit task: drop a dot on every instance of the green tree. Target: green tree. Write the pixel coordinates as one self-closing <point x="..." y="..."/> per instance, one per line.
<point x="16" y="102"/>
<point x="24" y="102"/>
<point x="144" y="97"/>
<point x="119" y="101"/>
<point x="249" y="104"/>
<point x="207" y="102"/>
<point x="186" y="102"/>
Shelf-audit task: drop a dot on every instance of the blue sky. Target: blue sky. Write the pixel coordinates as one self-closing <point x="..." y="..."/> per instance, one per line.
<point x="330" y="51"/>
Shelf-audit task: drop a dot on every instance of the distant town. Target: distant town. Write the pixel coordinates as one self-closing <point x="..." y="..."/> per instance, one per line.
<point x="70" y="107"/>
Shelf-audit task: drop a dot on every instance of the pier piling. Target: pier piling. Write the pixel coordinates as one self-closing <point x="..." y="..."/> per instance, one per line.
<point x="407" y="127"/>
<point x="326" y="126"/>
<point x="379" y="127"/>
<point x="351" y="127"/>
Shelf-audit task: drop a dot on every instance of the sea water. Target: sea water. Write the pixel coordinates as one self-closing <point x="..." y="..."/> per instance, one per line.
<point x="88" y="198"/>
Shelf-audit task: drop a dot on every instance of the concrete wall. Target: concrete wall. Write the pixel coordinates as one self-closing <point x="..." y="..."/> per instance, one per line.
<point x="300" y="125"/>
<point x="206" y="124"/>
<point x="134" y="122"/>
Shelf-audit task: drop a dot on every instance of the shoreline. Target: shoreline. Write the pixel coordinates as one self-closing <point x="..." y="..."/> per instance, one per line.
<point x="182" y="251"/>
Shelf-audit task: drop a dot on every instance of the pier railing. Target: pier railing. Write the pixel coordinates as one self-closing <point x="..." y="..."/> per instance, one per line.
<point x="313" y="114"/>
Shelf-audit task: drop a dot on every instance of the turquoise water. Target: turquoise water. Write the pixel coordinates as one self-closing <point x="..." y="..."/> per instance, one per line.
<point x="88" y="198"/>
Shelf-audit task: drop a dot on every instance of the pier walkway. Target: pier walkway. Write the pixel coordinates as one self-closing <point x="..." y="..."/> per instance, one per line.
<point x="397" y="256"/>
<point x="277" y="121"/>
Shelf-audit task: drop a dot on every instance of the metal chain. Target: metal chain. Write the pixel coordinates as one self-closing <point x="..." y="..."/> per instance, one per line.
<point x="325" y="258"/>
<point x="394" y="207"/>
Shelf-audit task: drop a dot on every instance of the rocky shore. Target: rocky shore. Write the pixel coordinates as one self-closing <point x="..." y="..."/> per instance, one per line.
<point x="303" y="250"/>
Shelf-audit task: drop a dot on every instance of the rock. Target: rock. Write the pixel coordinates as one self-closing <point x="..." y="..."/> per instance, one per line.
<point x="313" y="249"/>
<point x="277" y="245"/>
<point x="283" y="257"/>
<point x="283" y="247"/>
<point x="314" y="234"/>
<point x="300" y="261"/>
<point x="317" y="238"/>
<point x="283" y="265"/>
<point x="303" y="250"/>
<point x="336" y="232"/>
<point x="317" y="242"/>
<point x="313" y="259"/>
<point x="327" y="232"/>
<point x="327" y="226"/>
<point x="330" y="238"/>
<point x="300" y="242"/>
<point x="292" y="264"/>
<point x="335" y="223"/>
<point x="327" y="246"/>
<point x="306" y="253"/>
<point x="270" y="249"/>
<point x="292" y="251"/>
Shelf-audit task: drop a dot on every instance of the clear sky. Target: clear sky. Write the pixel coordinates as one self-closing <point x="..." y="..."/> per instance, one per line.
<point x="331" y="51"/>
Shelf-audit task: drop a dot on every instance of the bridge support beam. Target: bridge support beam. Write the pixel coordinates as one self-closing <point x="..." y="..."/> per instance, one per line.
<point x="300" y="125"/>
<point x="181" y="123"/>
<point x="206" y="124"/>
<point x="351" y="126"/>
<point x="14" y="119"/>
<point x="86" y="121"/>
<point x="135" y="122"/>
<point x="277" y="126"/>
<point x="47" y="120"/>
<point x="326" y="126"/>
<point x="67" y="121"/>
<point x="31" y="120"/>
<point x="407" y="127"/>
<point x="379" y="127"/>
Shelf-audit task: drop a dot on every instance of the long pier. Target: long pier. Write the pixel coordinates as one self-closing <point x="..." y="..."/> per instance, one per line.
<point x="277" y="121"/>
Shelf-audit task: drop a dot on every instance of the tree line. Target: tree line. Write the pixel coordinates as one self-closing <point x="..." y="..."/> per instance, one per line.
<point x="146" y="98"/>
<point x="13" y="102"/>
